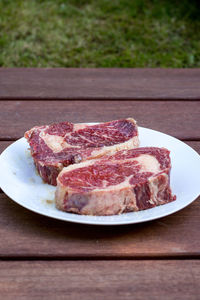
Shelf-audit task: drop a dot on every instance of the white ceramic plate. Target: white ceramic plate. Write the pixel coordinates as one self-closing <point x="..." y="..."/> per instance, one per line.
<point x="21" y="183"/>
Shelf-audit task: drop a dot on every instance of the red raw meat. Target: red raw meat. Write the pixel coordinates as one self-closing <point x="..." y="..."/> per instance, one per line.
<point x="129" y="180"/>
<point x="59" y="145"/>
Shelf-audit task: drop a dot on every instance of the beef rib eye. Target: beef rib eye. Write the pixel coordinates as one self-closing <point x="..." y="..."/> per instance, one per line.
<point x="128" y="180"/>
<point x="59" y="145"/>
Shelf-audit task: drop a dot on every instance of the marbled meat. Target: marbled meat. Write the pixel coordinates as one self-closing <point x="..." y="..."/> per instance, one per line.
<point x="59" y="145"/>
<point x="129" y="180"/>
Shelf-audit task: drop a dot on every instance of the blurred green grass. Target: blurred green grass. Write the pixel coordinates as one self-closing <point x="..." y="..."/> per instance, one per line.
<point x="99" y="33"/>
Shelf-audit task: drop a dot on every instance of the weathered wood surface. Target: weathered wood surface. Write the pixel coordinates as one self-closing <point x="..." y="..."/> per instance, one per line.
<point x="24" y="233"/>
<point x="4" y="145"/>
<point x="18" y="83"/>
<point x="177" y="118"/>
<point x="46" y="258"/>
<point x="152" y="280"/>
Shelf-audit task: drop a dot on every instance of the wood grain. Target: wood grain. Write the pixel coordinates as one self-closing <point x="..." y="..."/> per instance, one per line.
<point x="177" y="118"/>
<point x="17" y="83"/>
<point x="153" y="260"/>
<point x="4" y="145"/>
<point x="152" y="280"/>
<point x="24" y="233"/>
<point x="194" y="145"/>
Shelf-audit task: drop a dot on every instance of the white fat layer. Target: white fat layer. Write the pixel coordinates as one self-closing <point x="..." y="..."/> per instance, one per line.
<point x="132" y="143"/>
<point x="79" y="126"/>
<point x="78" y="166"/>
<point x="114" y="202"/>
<point x="148" y="163"/>
<point x="55" y="142"/>
<point x="155" y="187"/>
<point x="124" y="184"/>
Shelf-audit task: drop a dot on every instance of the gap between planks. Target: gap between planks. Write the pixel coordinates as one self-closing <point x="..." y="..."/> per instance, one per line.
<point x="99" y="99"/>
<point x="101" y="258"/>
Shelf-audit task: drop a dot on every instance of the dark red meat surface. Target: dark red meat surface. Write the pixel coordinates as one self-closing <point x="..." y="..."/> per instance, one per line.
<point x="78" y="142"/>
<point x="140" y="177"/>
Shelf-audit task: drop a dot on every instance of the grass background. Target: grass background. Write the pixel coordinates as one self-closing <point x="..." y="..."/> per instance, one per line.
<point x="99" y="33"/>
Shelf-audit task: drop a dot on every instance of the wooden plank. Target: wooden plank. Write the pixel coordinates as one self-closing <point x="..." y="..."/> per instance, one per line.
<point x="24" y="233"/>
<point x="4" y="145"/>
<point x="61" y="83"/>
<point x="194" y="145"/>
<point x="152" y="280"/>
<point x="177" y="118"/>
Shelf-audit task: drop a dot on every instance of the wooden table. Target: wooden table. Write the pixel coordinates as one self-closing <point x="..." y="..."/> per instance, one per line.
<point x="42" y="258"/>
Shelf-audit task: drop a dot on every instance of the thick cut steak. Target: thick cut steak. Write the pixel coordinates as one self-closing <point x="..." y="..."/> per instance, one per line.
<point x="129" y="180"/>
<point x="59" y="145"/>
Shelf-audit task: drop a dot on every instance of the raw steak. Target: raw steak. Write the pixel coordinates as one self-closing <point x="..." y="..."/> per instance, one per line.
<point x="129" y="180"/>
<point x="59" y="145"/>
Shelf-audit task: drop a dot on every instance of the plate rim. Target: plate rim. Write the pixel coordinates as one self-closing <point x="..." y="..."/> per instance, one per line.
<point x="85" y="220"/>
